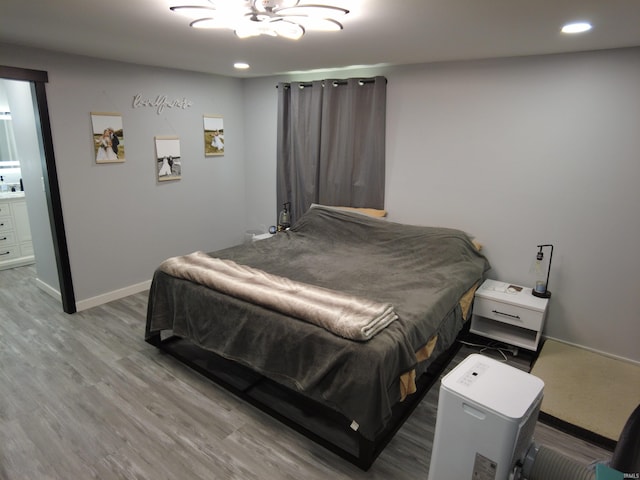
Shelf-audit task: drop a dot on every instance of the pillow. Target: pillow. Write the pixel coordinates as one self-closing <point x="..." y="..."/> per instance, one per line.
<point x="372" y="212"/>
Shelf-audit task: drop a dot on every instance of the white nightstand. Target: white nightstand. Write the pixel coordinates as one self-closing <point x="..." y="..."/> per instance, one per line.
<point x="509" y="313"/>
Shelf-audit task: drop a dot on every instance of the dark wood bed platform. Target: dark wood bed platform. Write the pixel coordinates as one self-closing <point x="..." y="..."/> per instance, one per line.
<point x="315" y="421"/>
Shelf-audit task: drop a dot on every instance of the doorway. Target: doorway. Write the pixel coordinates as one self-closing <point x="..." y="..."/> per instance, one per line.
<point x="49" y="179"/>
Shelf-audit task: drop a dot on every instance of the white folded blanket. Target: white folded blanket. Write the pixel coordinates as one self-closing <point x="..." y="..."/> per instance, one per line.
<point x="344" y="315"/>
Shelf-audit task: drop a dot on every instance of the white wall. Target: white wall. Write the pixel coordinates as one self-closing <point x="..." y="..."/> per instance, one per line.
<point x="260" y="118"/>
<point x="120" y="222"/>
<point x="527" y="151"/>
<point x="517" y="152"/>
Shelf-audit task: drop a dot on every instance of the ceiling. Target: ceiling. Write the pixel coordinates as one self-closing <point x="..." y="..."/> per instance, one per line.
<point x="376" y="32"/>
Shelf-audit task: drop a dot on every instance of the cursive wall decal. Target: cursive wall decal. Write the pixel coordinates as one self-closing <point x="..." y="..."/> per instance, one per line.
<point x="160" y="103"/>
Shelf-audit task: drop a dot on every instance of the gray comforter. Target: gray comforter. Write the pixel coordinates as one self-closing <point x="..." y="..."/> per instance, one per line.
<point x="421" y="271"/>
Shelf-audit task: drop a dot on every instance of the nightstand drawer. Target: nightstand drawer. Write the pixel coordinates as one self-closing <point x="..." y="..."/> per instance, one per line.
<point x="507" y="313"/>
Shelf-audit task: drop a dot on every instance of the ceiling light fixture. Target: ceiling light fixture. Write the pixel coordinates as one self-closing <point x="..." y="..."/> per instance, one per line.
<point x="576" y="27"/>
<point x="250" y="18"/>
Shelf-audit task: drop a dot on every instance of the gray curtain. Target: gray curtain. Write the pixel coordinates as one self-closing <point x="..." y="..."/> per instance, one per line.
<point x="331" y="143"/>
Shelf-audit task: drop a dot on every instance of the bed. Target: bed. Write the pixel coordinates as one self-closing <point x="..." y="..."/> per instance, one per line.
<point x="349" y="393"/>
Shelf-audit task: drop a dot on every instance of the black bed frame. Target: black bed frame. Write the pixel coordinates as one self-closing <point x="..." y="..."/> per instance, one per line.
<point x="315" y="421"/>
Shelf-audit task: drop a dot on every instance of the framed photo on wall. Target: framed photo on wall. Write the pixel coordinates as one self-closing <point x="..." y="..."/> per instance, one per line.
<point x="168" y="162"/>
<point x="108" y="137"/>
<point x="213" y="135"/>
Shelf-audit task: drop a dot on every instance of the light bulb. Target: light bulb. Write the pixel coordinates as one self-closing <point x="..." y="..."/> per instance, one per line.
<point x="539" y="270"/>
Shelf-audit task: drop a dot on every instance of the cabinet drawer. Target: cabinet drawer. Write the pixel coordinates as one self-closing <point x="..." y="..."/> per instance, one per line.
<point x="7" y="238"/>
<point x="6" y="223"/>
<point x="506" y="313"/>
<point x="7" y="253"/>
<point x="4" y="209"/>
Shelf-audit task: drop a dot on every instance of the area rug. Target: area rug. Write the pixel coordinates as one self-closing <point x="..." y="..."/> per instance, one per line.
<point x="585" y="392"/>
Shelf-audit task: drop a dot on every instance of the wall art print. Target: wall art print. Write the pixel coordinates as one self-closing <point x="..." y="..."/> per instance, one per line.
<point x="108" y="137"/>
<point x="213" y="135"/>
<point x="168" y="161"/>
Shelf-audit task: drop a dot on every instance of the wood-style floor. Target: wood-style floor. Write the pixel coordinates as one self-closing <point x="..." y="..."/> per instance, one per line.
<point x="83" y="396"/>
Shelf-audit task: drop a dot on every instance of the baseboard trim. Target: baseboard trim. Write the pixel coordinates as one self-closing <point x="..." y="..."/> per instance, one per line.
<point x="48" y="289"/>
<point x="111" y="296"/>
<point x="17" y="262"/>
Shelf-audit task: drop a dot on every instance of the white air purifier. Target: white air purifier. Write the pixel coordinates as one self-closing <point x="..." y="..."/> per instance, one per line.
<point x="487" y="411"/>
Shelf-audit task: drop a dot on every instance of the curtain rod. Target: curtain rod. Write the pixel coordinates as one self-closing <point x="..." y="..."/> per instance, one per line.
<point x="335" y="83"/>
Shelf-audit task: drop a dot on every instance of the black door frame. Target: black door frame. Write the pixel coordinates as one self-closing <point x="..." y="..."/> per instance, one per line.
<point x="52" y="190"/>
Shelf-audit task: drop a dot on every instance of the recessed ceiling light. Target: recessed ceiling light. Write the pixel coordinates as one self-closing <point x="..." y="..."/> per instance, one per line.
<point x="241" y="65"/>
<point x="578" y="27"/>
